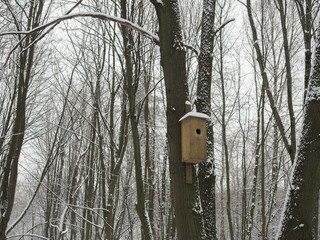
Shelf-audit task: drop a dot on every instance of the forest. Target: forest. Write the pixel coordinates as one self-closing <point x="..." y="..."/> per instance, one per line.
<point x="91" y="97"/>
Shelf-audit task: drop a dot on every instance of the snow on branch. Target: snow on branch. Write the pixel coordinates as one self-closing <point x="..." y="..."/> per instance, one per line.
<point x="157" y="2"/>
<point x="43" y="34"/>
<point x="193" y="49"/>
<point x="28" y="235"/>
<point x="53" y="23"/>
<point x="218" y="29"/>
<point x="98" y="15"/>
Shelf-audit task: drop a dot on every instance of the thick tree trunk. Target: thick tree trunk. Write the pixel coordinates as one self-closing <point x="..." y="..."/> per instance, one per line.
<point x="206" y="169"/>
<point x="302" y="194"/>
<point x="186" y="206"/>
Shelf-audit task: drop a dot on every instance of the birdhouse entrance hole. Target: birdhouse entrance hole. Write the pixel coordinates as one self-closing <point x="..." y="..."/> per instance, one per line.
<point x="198" y="131"/>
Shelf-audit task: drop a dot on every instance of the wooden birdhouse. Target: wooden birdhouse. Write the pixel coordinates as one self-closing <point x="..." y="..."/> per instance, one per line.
<point x="193" y="137"/>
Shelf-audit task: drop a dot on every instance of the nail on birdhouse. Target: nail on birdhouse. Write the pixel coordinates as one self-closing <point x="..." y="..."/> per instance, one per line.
<point x="193" y="137"/>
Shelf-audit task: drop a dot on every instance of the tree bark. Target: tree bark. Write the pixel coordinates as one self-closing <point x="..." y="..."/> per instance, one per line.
<point x="185" y="203"/>
<point x="206" y="173"/>
<point x="302" y="194"/>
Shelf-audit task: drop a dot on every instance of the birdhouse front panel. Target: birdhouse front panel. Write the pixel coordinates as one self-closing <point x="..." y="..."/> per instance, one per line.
<point x="193" y="139"/>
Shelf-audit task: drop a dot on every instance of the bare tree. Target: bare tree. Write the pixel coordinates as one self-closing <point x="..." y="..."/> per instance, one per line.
<point x="23" y="80"/>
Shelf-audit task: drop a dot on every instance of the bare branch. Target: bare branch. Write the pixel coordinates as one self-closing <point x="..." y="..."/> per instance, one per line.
<point x="223" y="25"/>
<point x="28" y="235"/>
<point x="192" y="48"/>
<point x="50" y="29"/>
<point x="38" y="39"/>
<point x="145" y="97"/>
<point x="98" y="15"/>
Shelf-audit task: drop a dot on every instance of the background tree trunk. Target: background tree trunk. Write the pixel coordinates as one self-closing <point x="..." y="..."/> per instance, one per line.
<point x="131" y="87"/>
<point x="9" y="178"/>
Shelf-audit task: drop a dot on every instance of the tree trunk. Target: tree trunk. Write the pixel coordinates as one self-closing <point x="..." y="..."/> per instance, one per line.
<point x="262" y="167"/>
<point x="9" y="180"/>
<point x="116" y="151"/>
<point x="261" y="62"/>
<point x="206" y="169"/>
<point x="224" y="140"/>
<point x="282" y="10"/>
<point x="305" y="13"/>
<point x="131" y="87"/>
<point x="250" y="218"/>
<point x="315" y="221"/>
<point x="185" y="203"/>
<point x="302" y="194"/>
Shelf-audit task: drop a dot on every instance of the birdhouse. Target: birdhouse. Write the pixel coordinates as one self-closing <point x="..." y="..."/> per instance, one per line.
<point x="193" y="137"/>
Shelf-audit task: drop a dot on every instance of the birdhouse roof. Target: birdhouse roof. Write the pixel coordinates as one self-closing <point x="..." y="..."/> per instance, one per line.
<point x="194" y="114"/>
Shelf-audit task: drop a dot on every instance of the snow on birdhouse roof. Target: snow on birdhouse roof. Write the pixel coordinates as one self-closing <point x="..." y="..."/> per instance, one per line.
<point x="194" y="114"/>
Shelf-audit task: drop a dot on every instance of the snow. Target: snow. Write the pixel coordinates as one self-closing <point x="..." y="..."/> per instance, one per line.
<point x="286" y="210"/>
<point x="224" y="24"/>
<point x="194" y="114"/>
<point x="159" y="2"/>
<point x="314" y="93"/>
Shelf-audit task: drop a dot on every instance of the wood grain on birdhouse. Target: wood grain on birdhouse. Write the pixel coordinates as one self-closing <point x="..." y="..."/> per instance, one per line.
<point x="193" y="137"/>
